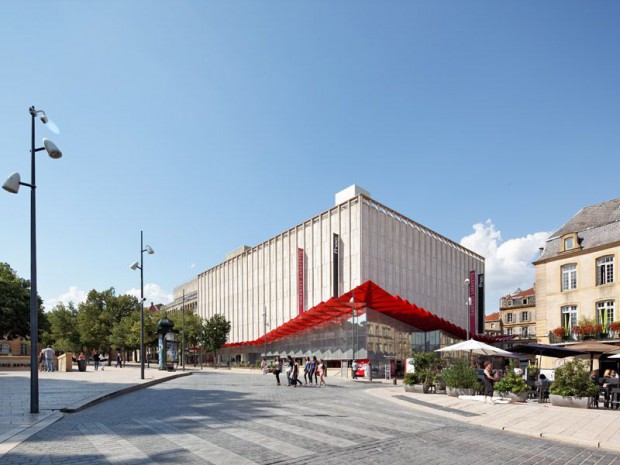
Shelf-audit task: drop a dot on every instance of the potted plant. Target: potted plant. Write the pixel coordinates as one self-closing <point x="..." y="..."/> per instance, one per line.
<point x="427" y="365"/>
<point x="410" y="380"/>
<point x="588" y="329"/>
<point x="573" y="386"/>
<point x="460" y="379"/>
<point x="614" y="327"/>
<point x="512" y="387"/>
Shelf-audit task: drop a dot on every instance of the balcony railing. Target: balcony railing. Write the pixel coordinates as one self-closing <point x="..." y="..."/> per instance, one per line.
<point x="569" y="335"/>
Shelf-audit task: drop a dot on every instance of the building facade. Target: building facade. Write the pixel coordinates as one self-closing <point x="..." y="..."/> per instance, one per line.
<point x="359" y="240"/>
<point x="518" y="316"/>
<point x="493" y="324"/>
<point x="577" y="285"/>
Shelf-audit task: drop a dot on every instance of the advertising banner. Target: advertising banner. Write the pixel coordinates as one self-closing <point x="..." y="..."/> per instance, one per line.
<point x="336" y="275"/>
<point x="300" y="280"/>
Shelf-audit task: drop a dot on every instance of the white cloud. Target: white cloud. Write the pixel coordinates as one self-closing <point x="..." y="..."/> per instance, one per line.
<point x="74" y="295"/>
<point x="192" y="266"/>
<point x="152" y="293"/>
<point x="508" y="264"/>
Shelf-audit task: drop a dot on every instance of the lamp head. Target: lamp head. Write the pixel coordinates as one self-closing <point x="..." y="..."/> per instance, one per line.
<point x="134" y="265"/>
<point x="51" y="148"/>
<point x="466" y="282"/>
<point x="149" y="250"/>
<point x="44" y="119"/>
<point x="12" y="183"/>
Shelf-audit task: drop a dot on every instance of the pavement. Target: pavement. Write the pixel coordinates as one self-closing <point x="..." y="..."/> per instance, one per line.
<point x="61" y="393"/>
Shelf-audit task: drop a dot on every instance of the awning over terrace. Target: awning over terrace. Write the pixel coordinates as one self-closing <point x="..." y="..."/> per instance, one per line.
<point x="367" y="295"/>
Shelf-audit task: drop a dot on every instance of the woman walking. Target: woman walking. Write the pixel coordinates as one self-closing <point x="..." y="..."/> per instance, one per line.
<point x="488" y="381"/>
<point x="314" y="367"/>
<point x="322" y="373"/>
<point x="307" y="370"/>
<point x="277" y="368"/>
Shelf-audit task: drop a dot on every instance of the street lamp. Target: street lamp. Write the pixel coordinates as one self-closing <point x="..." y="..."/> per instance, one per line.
<point x="467" y="304"/>
<point x="12" y="185"/>
<point x="265" y="324"/>
<point x="183" y="330"/>
<point x="140" y="266"/>
<point x="353" y="314"/>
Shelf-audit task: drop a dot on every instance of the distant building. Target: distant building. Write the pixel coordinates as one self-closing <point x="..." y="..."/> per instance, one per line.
<point x="185" y="296"/>
<point x="493" y="324"/>
<point x="576" y="277"/>
<point x="518" y="316"/>
<point x="358" y="280"/>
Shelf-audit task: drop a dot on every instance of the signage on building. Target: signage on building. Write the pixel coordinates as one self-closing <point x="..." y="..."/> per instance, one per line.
<point x="335" y="249"/>
<point x="472" y="302"/>
<point x="300" y="280"/>
<point x="481" y="303"/>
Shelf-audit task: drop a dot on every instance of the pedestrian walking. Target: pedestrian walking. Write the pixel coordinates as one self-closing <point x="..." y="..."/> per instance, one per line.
<point x="289" y="368"/>
<point x="96" y="360"/>
<point x="354" y="367"/>
<point x="307" y="370"/>
<point x="488" y="381"/>
<point x="264" y="367"/>
<point x="277" y="368"/>
<point x="322" y="373"/>
<point x="314" y="367"/>
<point x="295" y="374"/>
<point x="48" y="358"/>
<point x="119" y="360"/>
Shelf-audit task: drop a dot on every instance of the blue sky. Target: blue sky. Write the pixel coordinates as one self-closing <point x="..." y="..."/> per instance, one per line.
<point x="214" y="124"/>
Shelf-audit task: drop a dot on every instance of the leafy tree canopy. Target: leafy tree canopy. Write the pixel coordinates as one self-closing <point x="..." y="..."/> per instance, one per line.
<point x="15" y="305"/>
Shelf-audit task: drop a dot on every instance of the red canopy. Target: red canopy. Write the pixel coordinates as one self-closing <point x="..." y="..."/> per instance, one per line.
<point x="367" y="295"/>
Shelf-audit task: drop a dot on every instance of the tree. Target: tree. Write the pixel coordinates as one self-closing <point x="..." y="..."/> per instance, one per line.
<point x="15" y="305"/>
<point x="100" y="314"/>
<point x="63" y="333"/>
<point x="214" y="334"/>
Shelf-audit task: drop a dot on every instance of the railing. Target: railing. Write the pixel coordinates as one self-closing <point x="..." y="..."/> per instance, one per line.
<point x="572" y="336"/>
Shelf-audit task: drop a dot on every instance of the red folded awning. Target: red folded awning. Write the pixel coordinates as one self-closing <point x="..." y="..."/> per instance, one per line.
<point x="367" y="295"/>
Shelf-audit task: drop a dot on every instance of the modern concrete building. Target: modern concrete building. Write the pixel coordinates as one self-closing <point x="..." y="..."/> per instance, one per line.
<point x="286" y="278"/>
<point x="576" y="278"/>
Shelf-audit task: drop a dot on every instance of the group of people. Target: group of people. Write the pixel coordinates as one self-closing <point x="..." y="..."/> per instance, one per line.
<point x="313" y="369"/>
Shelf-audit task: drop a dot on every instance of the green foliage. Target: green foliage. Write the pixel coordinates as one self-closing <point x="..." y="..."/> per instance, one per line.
<point x="460" y="375"/>
<point x="63" y="333"/>
<point x="511" y="383"/>
<point x="573" y="379"/>
<point x="427" y="366"/>
<point x="15" y="305"/>
<point x="411" y="378"/>
<point x="214" y="333"/>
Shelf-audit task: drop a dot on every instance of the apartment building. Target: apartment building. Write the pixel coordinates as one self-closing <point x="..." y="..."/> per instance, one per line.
<point x="518" y="316"/>
<point x="577" y="286"/>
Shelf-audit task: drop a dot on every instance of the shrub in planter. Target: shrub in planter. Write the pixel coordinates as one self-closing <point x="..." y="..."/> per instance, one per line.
<point x="460" y="375"/>
<point x="573" y="380"/>
<point x="411" y="378"/>
<point x="512" y="386"/>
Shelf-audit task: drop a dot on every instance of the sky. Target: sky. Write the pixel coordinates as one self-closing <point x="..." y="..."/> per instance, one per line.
<point x="209" y="125"/>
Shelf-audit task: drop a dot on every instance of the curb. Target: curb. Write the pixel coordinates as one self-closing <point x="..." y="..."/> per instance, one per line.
<point x="121" y="392"/>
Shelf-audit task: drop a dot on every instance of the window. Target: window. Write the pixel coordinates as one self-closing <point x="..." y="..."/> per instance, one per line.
<point x="492" y="325"/>
<point x="605" y="313"/>
<point x="604" y="270"/>
<point x="525" y="316"/>
<point x="569" y="243"/>
<point x="569" y="277"/>
<point x="524" y="302"/>
<point x="569" y="316"/>
<point x="509" y="318"/>
<point x="509" y="331"/>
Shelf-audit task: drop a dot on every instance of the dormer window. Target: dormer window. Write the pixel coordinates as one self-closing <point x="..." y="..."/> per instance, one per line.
<point x="569" y="242"/>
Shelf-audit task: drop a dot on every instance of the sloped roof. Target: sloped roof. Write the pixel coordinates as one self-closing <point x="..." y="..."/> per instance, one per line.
<point x="525" y="293"/>
<point x="367" y="295"/>
<point x="492" y="317"/>
<point x="595" y="226"/>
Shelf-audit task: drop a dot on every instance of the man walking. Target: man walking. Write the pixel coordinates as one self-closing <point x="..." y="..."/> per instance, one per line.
<point x="48" y="358"/>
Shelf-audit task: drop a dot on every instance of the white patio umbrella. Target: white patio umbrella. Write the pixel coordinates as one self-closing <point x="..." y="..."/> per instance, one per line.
<point x="476" y="347"/>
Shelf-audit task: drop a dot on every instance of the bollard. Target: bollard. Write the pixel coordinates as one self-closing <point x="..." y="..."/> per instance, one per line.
<point x="394" y="380"/>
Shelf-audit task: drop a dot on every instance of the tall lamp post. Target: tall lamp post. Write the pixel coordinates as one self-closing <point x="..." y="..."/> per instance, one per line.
<point x="183" y="330"/>
<point x="467" y="305"/>
<point x="140" y="266"/>
<point x="12" y="185"/>
<point x="353" y="314"/>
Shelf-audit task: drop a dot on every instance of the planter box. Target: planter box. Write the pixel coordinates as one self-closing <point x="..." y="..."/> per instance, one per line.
<point x="522" y="397"/>
<point x="452" y="391"/>
<point x="466" y="392"/>
<point x="417" y="388"/>
<point x="560" y="401"/>
<point x="409" y="388"/>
